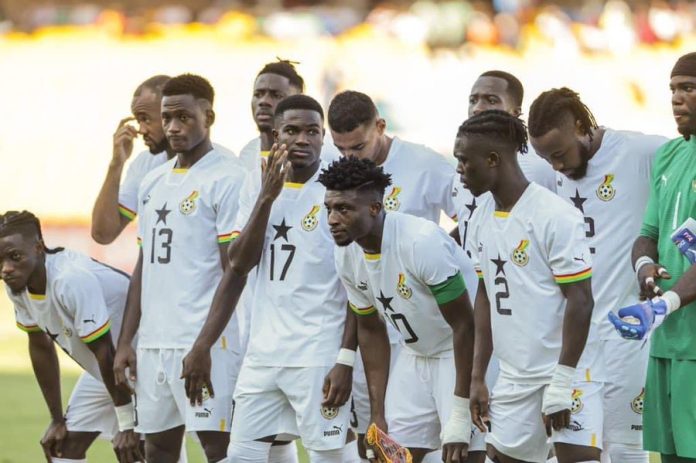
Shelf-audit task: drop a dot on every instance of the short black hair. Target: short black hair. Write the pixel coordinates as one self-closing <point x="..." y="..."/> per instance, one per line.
<point x="23" y="223"/>
<point x="285" y="68"/>
<point x="548" y="109"/>
<point x="353" y="173"/>
<point x="189" y="84"/>
<point x="350" y="109"/>
<point x="514" y="86"/>
<point x="298" y="101"/>
<point x="498" y="127"/>
<point x="154" y="83"/>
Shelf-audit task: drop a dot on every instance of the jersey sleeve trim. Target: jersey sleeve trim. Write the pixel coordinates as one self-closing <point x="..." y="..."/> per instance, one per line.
<point x="98" y="333"/>
<point x="573" y="277"/>
<point x="265" y="154"/>
<point x="362" y="311"/>
<point x="228" y="237"/>
<point x="449" y="290"/>
<point x="479" y="273"/>
<point x="139" y="240"/>
<point x="127" y="213"/>
<point x="293" y="185"/>
<point x="29" y="328"/>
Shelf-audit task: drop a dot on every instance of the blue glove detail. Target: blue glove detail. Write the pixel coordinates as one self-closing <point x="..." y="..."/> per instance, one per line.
<point x="649" y="315"/>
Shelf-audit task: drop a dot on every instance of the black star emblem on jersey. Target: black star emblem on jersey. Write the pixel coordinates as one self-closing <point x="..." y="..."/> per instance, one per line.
<point x="162" y="214"/>
<point x="51" y="335"/>
<point x="499" y="265"/>
<point x="281" y="231"/>
<point x="472" y="207"/>
<point x="385" y="301"/>
<point x="578" y="201"/>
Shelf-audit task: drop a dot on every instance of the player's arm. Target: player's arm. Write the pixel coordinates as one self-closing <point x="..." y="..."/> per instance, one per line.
<point x="125" y="354"/>
<point x="107" y="221"/>
<point x="245" y="251"/>
<point x="483" y="350"/>
<point x="339" y="381"/>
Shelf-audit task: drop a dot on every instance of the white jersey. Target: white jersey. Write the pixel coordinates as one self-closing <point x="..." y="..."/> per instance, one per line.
<point x="524" y="256"/>
<point x="141" y="165"/>
<point x="185" y="214"/>
<point x="299" y="305"/>
<point x="84" y="300"/>
<point x="612" y="196"/>
<point x="421" y="180"/>
<point x="250" y="155"/>
<point x="417" y="270"/>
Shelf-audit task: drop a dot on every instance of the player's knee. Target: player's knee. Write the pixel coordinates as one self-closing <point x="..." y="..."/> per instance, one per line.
<point x="325" y="456"/>
<point x="285" y="453"/>
<point x="76" y="444"/>
<point x="625" y="453"/>
<point x="249" y="452"/>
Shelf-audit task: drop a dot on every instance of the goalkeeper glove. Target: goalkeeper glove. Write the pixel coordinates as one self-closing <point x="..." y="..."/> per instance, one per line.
<point x="649" y="315"/>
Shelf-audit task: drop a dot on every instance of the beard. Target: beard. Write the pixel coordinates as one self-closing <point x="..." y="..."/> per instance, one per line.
<point x="580" y="171"/>
<point x="160" y="147"/>
<point x="687" y="130"/>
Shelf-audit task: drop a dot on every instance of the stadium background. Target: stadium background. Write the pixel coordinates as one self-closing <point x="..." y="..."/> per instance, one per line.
<point x="69" y="70"/>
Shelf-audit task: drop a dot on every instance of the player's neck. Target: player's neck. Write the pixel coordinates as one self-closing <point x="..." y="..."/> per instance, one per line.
<point x="267" y="140"/>
<point x="372" y="242"/>
<point x="385" y="146"/>
<point x="37" y="280"/>
<point x="189" y="158"/>
<point x="596" y="143"/>
<point x="170" y="153"/>
<point x="303" y="174"/>
<point x="510" y="190"/>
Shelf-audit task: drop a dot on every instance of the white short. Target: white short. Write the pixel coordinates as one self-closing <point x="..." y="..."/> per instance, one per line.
<point x="287" y="401"/>
<point x="517" y="429"/>
<point x="625" y="369"/>
<point x="161" y="401"/>
<point x="90" y="408"/>
<point x="419" y="401"/>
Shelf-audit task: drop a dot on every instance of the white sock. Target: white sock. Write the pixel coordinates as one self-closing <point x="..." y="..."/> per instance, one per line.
<point x="350" y="452"/>
<point x="67" y="460"/>
<point x="433" y="457"/>
<point x="248" y="452"/>
<point x="286" y="453"/>
<point x="625" y="453"/>
<point x="325" y="456"/>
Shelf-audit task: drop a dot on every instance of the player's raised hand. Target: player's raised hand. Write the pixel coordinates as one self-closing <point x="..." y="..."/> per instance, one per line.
<point x="52" y="441"/>
<point x="478" y="404"/>
<point x="647" y="275"/>
<point x="196" y="374"/>
<point x="127" y="447"/>
<point x="125" y="358"/>
<point x="123" y="140"/>
<point x="337" y="386"/>
<point x="275" y="172"/>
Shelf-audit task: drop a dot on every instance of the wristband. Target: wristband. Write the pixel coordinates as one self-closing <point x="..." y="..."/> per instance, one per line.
<point x="558" y="394"/>
<point x="125" y="415"/>
<point x="672" y="301"/>
<point x="346" y="357"/>
<point x="641" y="261"/>
<point x="458" y="427"/>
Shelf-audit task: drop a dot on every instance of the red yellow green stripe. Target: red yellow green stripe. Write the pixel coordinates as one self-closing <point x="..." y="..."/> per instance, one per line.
<point x="228" y="237"/>
<point x="573" y="277"/>
<point x="362" y="311"/>
<point x="125" y="212"/>
<point x="29" y="328"/>
<point x="264" y="154"/>
<point x="98" y="333"/>
<point x="140" y="242"/>
<point x="479" y="273"/>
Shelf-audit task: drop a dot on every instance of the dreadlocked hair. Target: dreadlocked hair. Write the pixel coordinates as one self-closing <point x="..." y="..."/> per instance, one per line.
<point x="353" y="173"/>
<point x="24" y="223"/>
<point x="548" y="109"/>
<point x="497" y="126"/>
<point x="285" y="68"/>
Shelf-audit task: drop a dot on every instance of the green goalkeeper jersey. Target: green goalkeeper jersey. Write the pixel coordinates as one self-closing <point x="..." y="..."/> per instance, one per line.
<point x="672" y="201"/>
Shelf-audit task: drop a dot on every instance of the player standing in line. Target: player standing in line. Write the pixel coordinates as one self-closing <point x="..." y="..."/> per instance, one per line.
<point x="535" y="269"/>
<point x="294" y="380"/>
<point x="64" y="297"/>
<point x="187" y="209"/>
<point x="669" y="416"/>
<point x="503" y="91"/>
<point x="605" y="175"/>
<point x="116" y="205"/>
<point x="411" y="269"/>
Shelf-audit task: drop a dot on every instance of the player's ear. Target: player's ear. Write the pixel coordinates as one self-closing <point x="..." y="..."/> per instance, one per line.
<point x="493" y="159"/>
<point x="375" y="208"/>
<point x="517" y="111"/>
<point x="381" y="125"/>
<point x="209" y="117"/>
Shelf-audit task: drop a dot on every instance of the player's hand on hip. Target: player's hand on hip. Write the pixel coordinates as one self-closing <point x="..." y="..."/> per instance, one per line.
<point x="337" y="386"/>
<point x="275" y="172"/>
<point x="647" y="276"/>
<point x="127" y="447"/>
<point x="125" y="359"/>
<point x="52" y="441"/>
<point x="195" y="371"/>
<point x="123" y="140"/>
<point x="478" y="403"/>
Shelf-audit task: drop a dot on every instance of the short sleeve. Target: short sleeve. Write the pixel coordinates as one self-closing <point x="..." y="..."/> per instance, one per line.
<point x="434" y="256"/>
<point x="357" y="287"/>
<point x="24" y="320"/>
<point x="651" y="226"/>
<point x="472" y="245"/>
<point x="247" y="199"/>
<point x="128" y="191"/>
<point x="567" y="246"/>
<point x="226" y="203"/>
<point x="440" y="185"/>
<point x="82" y="297"/>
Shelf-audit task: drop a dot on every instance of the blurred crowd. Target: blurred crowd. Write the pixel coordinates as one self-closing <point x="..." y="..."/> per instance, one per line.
<point x="594" y="26"/>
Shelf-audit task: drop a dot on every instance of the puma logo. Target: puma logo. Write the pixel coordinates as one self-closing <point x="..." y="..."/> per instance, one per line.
<point x="90" y="320"/>
<point x="362" y="286"/>
<point x="580" y="259"/>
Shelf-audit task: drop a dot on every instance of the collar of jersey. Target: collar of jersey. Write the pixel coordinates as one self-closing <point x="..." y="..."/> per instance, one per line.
<point x="36" y="297"/>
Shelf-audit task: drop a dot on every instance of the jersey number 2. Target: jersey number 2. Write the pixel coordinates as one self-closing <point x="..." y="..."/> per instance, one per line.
<point x="504" y="293"/>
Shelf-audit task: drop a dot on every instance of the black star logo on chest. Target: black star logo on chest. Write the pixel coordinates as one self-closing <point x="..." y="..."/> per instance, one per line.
<point x="281" y="231"/>
<point x="385" y="301"/>
<point x="499" y="265"/>
<point x="51" y="335"/>
<point x="162" y="214"/>
<point x="578" y="201"/>
<point x="472" y="207"/>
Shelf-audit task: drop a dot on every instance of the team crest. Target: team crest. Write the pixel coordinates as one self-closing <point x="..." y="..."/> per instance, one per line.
<point x="519" y="254"/>
<point x="637" y="403"/>
<point x="188" y="205"/>
<point x="205" y="394"/>
<point x="403" y="290"/>
<point x="606" y="191"/>
<point x="310" y="221"/>
<point x="329" y="413"/>
<point x="391" y="202"/>
<point x="67" y="332"/>
<point x="577" y="405"/>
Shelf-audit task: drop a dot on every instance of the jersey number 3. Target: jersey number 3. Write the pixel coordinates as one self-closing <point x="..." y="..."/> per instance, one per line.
<point x="165" y="255"/>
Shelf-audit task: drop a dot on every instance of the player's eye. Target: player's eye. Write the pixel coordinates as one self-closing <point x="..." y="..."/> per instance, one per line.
<point x="472" y="100"/>
<point x="290" y="131"/>
<point x="166" y="118"/>
<point x="313" y="131"/>
<point x="183" y="118"/>
<point x="258" y="94"/>
<point x="15" y="256"/>
<point x="277" y="95"/>
<point x="493" y="100"/>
